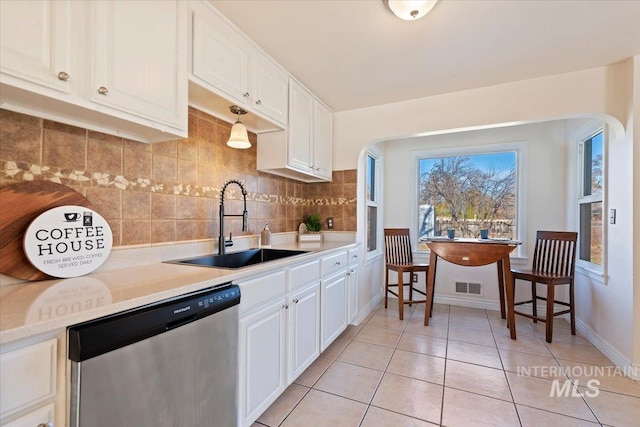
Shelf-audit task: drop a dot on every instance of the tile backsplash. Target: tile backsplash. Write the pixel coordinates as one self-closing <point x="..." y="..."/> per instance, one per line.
<point x="167" y="191"/>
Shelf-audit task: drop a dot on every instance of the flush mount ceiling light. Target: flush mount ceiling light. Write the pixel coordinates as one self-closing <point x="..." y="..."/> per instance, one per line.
<point x="410" y="10"/>
<point x="239" y="137"/>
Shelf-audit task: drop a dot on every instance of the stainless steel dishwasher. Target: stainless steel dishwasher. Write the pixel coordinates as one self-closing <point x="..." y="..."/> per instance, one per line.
<point x="172" y="364"/>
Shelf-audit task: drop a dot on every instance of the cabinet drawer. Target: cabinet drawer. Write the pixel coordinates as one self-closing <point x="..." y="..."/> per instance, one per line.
<point x="353" y="256"/>
<point x="334" y="263"/>
<point x="261" y="289"/>
<point x="35" y="418"/>
<point x="27" y="376"/>
<point x="303" y="274"/>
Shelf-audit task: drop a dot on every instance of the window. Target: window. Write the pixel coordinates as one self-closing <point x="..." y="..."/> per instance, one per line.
<point x="468" y="191"/>
<point x="372" y="180"/>
<point x="590" y="198"/>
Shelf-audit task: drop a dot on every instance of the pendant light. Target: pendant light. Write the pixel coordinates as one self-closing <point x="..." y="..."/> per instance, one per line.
<point x="410" y="10"/>
<point x="238" y="137"/>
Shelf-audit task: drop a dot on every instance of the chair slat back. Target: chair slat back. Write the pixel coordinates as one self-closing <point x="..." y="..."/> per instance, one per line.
<point x="555" y="252"/>
<point x="397" y="246"/>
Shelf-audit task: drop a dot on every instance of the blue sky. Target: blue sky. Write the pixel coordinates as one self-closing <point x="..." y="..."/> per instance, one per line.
<point x="500" y="161"/>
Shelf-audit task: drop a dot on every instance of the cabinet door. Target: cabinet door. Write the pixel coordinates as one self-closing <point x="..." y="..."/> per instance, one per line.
<point x="140" y="68"/>
<point x="299" y="130"/>
<point x="219" y="58"/>
<point x="304" y="330"/>
<point x="322" y="140"/>
<point x="39" y="417"/>
<point x="35" y="40"/>
<point x="353" y="292"/>
<point x="270" y="90"/>
<point x="262" y="355"/>
<point x="333" y="309"/>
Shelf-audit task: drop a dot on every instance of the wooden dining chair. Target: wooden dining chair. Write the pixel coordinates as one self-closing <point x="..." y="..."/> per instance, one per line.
<point x="399" y="258"/>
<point x="554" y="260"/>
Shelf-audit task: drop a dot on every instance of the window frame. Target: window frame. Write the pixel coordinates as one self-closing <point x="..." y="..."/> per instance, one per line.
<point x="376" y="202"/>
<point x="579" y="138"/>
<point x="520" y="147"/>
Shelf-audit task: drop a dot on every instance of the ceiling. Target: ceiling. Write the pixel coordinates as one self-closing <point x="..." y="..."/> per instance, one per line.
<point x="355" y="53"/>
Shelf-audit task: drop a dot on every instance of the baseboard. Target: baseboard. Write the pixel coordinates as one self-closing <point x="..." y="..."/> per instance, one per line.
<point x="608" y="350"/>
<point x="368" y="309"/>
<point x="468" y="302"/>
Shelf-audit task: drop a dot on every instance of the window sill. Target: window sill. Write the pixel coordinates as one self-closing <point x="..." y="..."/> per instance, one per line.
<point x="594" y="274"/>
<point x="373" y="256"/>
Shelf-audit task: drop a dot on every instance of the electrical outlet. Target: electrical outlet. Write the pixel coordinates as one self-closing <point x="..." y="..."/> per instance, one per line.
<point x="414" y="277"/>
<point x="330" y="223"/>
<point x="612" y="216"/>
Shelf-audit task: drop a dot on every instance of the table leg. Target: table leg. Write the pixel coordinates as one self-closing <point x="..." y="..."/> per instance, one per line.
<point x="401" y="293"/>
<point x="431" y="281"/>
<point x="501" y="288"/>
<point x="508" y="278"/>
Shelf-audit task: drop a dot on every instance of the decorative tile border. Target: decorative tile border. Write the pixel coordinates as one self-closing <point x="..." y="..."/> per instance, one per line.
<point x="14" y="171"/>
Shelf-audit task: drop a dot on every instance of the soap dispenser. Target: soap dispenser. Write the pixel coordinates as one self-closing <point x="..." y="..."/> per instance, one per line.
<point x="265" y="236"/>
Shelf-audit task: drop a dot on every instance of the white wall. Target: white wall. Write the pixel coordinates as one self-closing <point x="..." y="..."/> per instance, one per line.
<point x="544" y="198"/>
<point x="595" y="92"/>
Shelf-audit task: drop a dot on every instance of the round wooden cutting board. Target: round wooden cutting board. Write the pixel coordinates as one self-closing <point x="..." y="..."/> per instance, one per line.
<point x="20" y="204"/>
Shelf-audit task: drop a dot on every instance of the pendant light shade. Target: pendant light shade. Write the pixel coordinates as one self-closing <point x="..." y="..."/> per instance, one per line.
<point x="239" y="138"/>
<point x="410" y="10"/>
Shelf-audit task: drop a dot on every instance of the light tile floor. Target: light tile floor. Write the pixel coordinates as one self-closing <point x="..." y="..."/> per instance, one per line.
<point x="462" y="370"/>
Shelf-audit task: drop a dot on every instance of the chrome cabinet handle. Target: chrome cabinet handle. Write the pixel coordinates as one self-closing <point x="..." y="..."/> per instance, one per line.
<point x="285" y="306"/>
<point x="103" y="90"/>
<point x="63" y="76"/>
<point x="45" y="425"/>
<point x="296" y="300"/>
<point x="246" y="94"/>
<point x="337" y="262"/>
<point x="258" y="102"/>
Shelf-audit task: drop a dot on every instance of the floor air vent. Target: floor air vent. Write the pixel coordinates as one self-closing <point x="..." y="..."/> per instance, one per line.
<point x="469" y="288"/>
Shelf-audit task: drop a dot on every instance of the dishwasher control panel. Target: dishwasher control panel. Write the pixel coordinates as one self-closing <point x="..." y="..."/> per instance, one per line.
<point x="228" y="294"/>
<point x="96" y="337"/>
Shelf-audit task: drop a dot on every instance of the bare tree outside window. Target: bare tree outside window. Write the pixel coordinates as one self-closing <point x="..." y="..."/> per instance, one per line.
<point x="468" y="193"/>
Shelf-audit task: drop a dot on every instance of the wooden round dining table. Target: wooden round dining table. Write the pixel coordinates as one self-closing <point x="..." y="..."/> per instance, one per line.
<point x="474" y="253"/>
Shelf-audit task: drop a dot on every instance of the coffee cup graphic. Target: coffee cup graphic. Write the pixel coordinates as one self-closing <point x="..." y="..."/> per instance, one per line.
<point x="71" y="216"/>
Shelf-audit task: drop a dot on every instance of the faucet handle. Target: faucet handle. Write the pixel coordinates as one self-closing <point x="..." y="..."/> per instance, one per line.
<point x="230" y="241"/>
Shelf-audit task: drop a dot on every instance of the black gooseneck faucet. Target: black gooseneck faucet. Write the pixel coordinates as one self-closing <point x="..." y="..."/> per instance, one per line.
<point x="222" y="243"/>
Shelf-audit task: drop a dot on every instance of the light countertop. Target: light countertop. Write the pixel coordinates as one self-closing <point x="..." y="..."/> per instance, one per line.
<point x="33" y="308"/>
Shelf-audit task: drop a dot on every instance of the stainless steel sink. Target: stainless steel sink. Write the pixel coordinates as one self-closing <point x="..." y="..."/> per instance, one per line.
<point x="239" y="259"/>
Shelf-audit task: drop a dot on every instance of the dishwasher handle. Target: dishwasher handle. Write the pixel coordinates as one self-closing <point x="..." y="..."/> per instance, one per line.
<point x="180" y="322"/>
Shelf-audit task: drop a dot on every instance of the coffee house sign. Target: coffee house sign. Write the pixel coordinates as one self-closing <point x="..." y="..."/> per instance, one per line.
<point x="68" y="241"/>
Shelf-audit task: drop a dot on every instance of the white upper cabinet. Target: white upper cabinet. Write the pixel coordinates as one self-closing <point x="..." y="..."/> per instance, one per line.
<point x="98" y="65"/>
<point x="303" y="151"/>
<point x="35" y="43"/>
<point x="299" y="136"/>
<point x="136" y="67"/>
<point x="322" y="140"/>
<point x="219" y="56"/>
<point x="269" y="89"/>
<point x="224" y="62"/>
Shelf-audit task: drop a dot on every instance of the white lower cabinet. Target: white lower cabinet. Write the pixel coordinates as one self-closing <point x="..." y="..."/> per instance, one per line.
<point x="262" y="356"/>
<point x="40" y="417"/>
<point x="287" y="317"/>
<point x="29" y="384"/>
<point x="333" y="309"/>
<point x="304" y="329"/>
